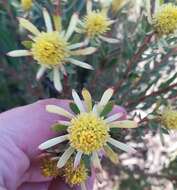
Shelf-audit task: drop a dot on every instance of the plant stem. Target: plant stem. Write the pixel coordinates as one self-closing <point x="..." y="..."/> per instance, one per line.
<point x="155" y="93"/>
<point x="136" y="57"/>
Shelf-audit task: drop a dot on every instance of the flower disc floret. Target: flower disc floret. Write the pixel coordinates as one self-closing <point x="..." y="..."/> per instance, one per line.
<point x="50" y="49"/>
<point x="88" y="133"/>
<point x="49" y="168"/>
<point x="26" y="4"/>
<point x="165" y="19"/>
<point x="74" y="176"/>
<point x="169" y="118"/>
<point x="96" y="23"/>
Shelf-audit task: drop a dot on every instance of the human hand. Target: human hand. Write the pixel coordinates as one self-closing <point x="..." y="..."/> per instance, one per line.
<point x="21" y="131"/>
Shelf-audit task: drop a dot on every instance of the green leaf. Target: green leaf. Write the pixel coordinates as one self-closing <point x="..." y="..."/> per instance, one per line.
<point x="87" y="161"/>
<point x="27" y="44"/>
<point x="107" y="109"/>
<point x="168" y="82"/>
<point x="161" y="2"/>
<point x="165" y="131"/>
<point x="161" y="136"/>
<point x="58" y="128"/>
<point x="74" y="108"/>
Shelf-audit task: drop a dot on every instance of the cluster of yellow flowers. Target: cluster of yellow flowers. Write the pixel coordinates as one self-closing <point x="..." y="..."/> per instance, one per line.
<point x="72" y="176"/>
<point x="88" y="132"/>
<point x="52" y="49"/>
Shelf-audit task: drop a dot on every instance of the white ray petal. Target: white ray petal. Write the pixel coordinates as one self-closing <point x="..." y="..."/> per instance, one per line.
<point x="78" y="101"/>
<point x="19" y="53"/>
<point x="72" y="26"/>
<point x="148" y="10"/>
<point x="29" y="26"/>
<point x="59" y="110"/>
<point x="53" y="142"/>
<point x="31" y="37"/>
<point x="98" y="40"/>
<point x="89" y="6"/>
<point x="57" y="79"/>
<point x="65" y="157"/>
<point x="79" y="45"/>
<point x="112" y="22"/>
<point x="83" y="186"/>
<point x="157" y="5"/>
<point x="97" y="166"/>
<point x="62" y="34"/>
<point x="106" y="96"/>
<point x="80" y="63"/>
<point x="85" y="51"/>
<point x="111" y="154"/>
<point x="87" y="99"/>
<point x="124" y="124"/>
<point x="79" y="30"/>
<point x="113" y="117"/>
<point x="77" y="159"/>
<point x="63" y="70"/>
<point x="95" y="110"/>
<point x="109" y="40"/>
<point x="40" y="72"/>
<point x="96" y="161"/>
<point x="47" y="19"/>
<point x="62" y="122"/>
<point x="81" y="23"/>
<point x="121" y="145"/>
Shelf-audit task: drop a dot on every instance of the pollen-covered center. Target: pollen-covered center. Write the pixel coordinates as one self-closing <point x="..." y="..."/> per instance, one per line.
<point x="96" y="23"/>
<point x="165" y="20"/>
<point x="26" y="4"/>
<point x="50" y="49"/>
<point x="75" y="176"/>
<point x="169" y="118"/>
<point x="49" y="168"/>
<point x="88" y="132"/>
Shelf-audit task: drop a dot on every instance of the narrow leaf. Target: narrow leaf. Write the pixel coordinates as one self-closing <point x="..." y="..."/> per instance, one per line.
<point x="107" y="109"/>
<point x="74" y="108"/>
<point x="58" y="128"/>
<point x="27" y="44"/>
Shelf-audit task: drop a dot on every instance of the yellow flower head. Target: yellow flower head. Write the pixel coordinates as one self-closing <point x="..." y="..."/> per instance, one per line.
<point x="49" y="168"/>
<point x="96" y="23"/>
<point x="169" y="118"/>
<point x="165" y="19"/>
<point x="26" y="4"/>
<point x="88" y="129"/>
<point x="50" y="49"/>
<point x="88" y="132"/>
<point x="74" y="176"/>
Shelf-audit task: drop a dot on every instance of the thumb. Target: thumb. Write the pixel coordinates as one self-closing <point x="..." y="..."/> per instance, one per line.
<point x="21" y="131"/>
<point x="29" y="126"/>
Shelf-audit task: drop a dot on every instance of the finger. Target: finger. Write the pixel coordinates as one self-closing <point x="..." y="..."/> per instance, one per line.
<point x="29" y="126"/>
<point x="34" y="186"/>
<point x="58" y="184"/>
